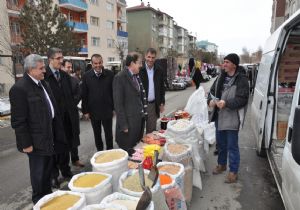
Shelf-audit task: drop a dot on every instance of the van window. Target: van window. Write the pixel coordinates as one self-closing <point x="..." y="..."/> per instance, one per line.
<point x="288" y="68"/>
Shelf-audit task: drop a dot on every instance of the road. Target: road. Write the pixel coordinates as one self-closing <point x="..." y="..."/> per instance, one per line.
<point x="255" y="189"/>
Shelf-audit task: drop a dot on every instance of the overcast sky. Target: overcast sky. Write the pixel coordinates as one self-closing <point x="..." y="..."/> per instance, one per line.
<point x="231" y="24"/>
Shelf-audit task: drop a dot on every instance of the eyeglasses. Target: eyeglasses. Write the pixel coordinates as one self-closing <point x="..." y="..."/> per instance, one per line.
<point x="58" y="58"/>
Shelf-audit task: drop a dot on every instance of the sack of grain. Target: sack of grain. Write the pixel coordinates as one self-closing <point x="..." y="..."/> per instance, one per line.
<point x="95" y="185"/>
<point x="104" y="207"/>
<point x="129" y="202"/>
<point x="129" y="183"/>
<point x="61" y="200"/>
<point x="179" y="153"/>
<point x="175" y="169"/>
<point x="113" y="162"/>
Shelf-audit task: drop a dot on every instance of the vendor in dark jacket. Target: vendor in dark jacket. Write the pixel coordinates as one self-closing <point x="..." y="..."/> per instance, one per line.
<point x="228" y="97"/>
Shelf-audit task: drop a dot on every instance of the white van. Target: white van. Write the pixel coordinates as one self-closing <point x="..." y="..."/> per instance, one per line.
<point x="275" y="109"/>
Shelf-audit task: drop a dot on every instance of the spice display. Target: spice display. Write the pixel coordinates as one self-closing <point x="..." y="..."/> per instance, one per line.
<point x="62" y="202"/>
<point x="147" y="163"/>
<point x="132" y="165"/>
<point x="149" y="150"/>
<point x="109" y="156"/>
<point x="89" y="180"/>
<point x="138" y="154"/>
<point x="177" y="148"/>
<point x="132" y="183"/>
<point x="165" y="179"/>
<point x="171" y="169"/>
<point x="151" y="138"/>
<point x="129" y="204"/>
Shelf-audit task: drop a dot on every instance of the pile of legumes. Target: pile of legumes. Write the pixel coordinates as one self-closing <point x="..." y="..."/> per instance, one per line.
<point x="109" y="156"/>
<point x="171" y="169"/>
<point x="177" y="148"/>
<point x="132" y="183"/>
<point x="89" y="180"/>
<point x="129" y="204"/>
<point x="61" y="202"/>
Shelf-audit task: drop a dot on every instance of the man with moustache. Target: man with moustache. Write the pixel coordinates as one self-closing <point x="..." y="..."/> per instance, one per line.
<point x="37" y="124"/>
<point x="97" y="101"/>
<point x="60" y="84"/>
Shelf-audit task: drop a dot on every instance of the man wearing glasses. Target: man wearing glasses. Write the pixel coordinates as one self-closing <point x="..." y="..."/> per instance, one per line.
<point x="60" y="84"/>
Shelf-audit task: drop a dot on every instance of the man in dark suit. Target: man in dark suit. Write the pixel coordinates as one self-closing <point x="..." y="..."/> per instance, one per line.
<point x="36" y="122"/>
<point x="76" y="90"/>
<point x="153" y="82"/>
<point x="130" y="103"/>
<point x="97" y="101"/>
<point x="60" y="84"/>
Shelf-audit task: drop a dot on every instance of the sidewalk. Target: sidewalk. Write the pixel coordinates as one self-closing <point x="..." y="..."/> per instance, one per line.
<point x="7" y="140"/>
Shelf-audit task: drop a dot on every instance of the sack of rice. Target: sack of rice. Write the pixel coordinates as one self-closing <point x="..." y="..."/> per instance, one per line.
<point x="104" y="207"/>
<point x="173" y="194"/>
<point x="175" y="169"/>
<point x="113" y="162"/>
<point x="129" y="202"/>
<point x="62" y="200"/>
<point x="95" y="185"/>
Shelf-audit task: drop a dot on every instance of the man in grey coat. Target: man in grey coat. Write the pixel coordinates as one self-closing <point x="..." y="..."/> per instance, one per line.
<point x="130" y="103"/>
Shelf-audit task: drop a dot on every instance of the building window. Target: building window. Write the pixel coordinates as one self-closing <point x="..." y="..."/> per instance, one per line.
<point x="96" y="41"/>
<point x="109" y="24"/>
<point x="110" y="59"/>
<point x="82" y="19"/>
<point x="94" y="2"/>
<point x="109" y="6"/>
<point x="94" y="21"/>
<point x="110" y="43"/>
<point x="15" y="28"/>
<point x="70" y="16"/>
<point x="82" y="42"/>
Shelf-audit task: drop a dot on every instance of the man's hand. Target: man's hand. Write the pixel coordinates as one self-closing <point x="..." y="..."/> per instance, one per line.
<point x="162" y="108"/>
<point x="86" y="116"/>
<point x="125" y="131"/>
<point x="212" y="103"/>
<point x="28" y="149"/>
<point x="221" y="104"/>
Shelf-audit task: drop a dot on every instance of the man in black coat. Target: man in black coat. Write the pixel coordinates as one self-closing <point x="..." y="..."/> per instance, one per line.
<point x="36" y="122"/>
<point x="153" y="82"/>
<point x="97" y="101"/>
<point x="130" y="103"/>
<point x="60" y="84"/>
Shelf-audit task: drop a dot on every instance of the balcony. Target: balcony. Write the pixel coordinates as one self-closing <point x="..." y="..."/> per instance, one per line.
<point x="122" y="33"/>
<point x="83" y="50"/>
<point x="15" y="38"/>
<point x="74" y="5"/>
<point x="122" y="19"/>
<point x="13" y="9"/>
<point x="78" y="26"/>
<point x="121" y="3"/>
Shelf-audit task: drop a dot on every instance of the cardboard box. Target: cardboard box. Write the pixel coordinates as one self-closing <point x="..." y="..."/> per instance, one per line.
<point x="281" y="129"/>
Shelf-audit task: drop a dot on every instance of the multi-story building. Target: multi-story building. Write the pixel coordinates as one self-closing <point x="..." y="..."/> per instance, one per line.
<point x="148" y="27"/>
<point x="182" y="40"/>
<point x="207" y="46"/>
<point x="6" y="70"/>
<point x="278" y="14"/>
<point x="99" y="25"/>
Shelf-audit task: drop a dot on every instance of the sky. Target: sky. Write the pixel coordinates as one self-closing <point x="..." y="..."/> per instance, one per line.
<point x="230" y="24"/>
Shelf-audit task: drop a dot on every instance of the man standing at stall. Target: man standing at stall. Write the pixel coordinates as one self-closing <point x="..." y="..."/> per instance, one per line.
<point x="229" y="96"/>
<point x="130" y="103"/>
<point x="97" y="101"/>
<point x="153" y="82"/>
<point x="37" y="124"/>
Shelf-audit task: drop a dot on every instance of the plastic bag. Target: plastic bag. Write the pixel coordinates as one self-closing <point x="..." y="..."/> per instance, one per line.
<point x="115" y="168"/>
<point x="95" y="194"/>
<point x="119" y="196"/>
<point x="197" y="104"/>
<point x="209" y="133"/>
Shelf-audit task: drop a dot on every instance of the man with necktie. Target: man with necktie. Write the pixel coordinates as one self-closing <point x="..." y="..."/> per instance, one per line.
<point x="130" y="103"/>
<point x="97" y="101"/>
<point x="37" y="124"/>
<point x="61" y="86"/>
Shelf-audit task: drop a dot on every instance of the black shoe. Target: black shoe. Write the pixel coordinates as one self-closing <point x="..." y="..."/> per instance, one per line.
<point x="55" y="183"/>
<point x="67" y="175"/>
<point x="216" y="152"/>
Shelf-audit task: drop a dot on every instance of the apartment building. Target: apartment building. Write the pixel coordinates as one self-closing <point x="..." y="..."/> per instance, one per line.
<point x="6" y="70"/>
<point x="207" y="46"/>
<point x="192" y="42"/>
<point x="149" y="27"/>
<point x="100" y="25"/>
<point x="182" y="40"/>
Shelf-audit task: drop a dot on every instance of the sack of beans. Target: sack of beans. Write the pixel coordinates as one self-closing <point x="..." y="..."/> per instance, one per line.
<point x="104" y="207"/>
<point x="175" y="169"/>
<point x="179" y="153"/>
<point x="125" y="201"/>
<point x="95" y="185"/>
<point x="61" y="200"/>
<point x="113" y="162"/>
<point x="173" y="194"/>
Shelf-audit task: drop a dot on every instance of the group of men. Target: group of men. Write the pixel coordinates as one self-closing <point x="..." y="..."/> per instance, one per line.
<point x="45" y="116"/>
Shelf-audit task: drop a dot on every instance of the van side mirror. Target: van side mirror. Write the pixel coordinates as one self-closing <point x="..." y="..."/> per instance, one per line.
<point x="296" y="136"/>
